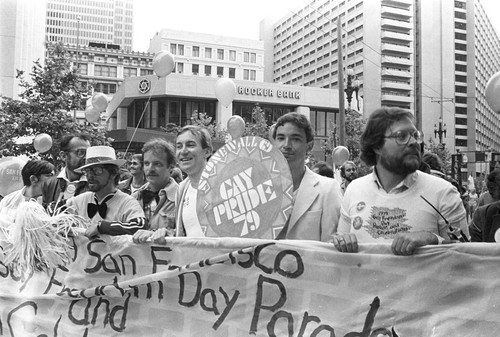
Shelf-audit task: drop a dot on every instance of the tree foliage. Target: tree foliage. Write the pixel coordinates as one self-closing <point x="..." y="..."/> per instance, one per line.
<point x="442" y="152"/>
<point x="258" y="125"/>
<point x="51" y="94"/>
<point x="354" y="126"/>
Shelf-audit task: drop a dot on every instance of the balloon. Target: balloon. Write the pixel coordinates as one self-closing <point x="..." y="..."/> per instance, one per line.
<point x="493" y="92"/>
<point x="163" y="63"/>
<point x="225" y="91"/>
<point x="92" y="115"/>
<point x="42" y="142"/>
<point x="236" y="127"/>
<point x="340" y="154"/>
<point x="10" y="174"/>
<point x="100" y="102"/>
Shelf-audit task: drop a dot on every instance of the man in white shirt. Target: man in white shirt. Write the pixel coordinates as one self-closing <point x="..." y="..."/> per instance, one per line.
<point x="397" y="203"/>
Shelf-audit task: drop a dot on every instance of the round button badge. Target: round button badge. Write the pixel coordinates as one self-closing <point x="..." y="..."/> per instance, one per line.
<point x="246" y="190"/>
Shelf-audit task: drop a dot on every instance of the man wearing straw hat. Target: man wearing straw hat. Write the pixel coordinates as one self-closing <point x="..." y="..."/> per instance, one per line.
<point x="109" y="210"/>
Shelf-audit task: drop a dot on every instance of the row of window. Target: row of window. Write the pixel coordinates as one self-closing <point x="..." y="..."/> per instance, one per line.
<point x="178" y="49"/>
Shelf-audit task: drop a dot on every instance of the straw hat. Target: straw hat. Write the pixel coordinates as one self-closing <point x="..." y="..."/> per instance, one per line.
<point x="100" y="155"/>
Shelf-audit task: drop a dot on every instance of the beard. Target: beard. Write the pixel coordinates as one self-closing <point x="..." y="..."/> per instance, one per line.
<point x="408" y="162"/>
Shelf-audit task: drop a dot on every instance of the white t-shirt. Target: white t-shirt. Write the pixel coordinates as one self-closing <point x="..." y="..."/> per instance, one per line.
<point x="189" y="216"/>
<point x="377" y="216"/>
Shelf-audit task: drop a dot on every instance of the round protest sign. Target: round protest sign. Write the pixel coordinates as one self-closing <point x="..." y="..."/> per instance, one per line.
<point x="246" y="190"/>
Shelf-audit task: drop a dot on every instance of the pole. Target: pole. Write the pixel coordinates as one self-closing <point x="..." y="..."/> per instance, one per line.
<point x="77" y="50"/>
<point x="340" y="65"/>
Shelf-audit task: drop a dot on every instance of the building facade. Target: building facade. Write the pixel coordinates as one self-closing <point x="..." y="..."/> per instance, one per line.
<point x="144" y="107"/>
<point x="213" y="56"/>
<point x="84" y="21"/>
<point x="106" y="68"/>
<point x="21" y="41"/>
<point x="431" y="57"/>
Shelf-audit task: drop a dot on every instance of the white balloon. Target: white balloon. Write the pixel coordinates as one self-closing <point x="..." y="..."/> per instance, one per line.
<point x="236" y="127"/>
<point x="493" y="92"/>
<point x="42" y="142"/>
<point x="92" y="115"/>
<point x="340" y="155"/>
<point x="225" y="91"/>
<point x="163" y="63"/>
<point x="100" y="102"/>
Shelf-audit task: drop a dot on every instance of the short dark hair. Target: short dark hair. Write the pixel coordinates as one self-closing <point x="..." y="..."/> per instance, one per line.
<point x="299" y="120"/>
<point x="199" y="132"/>
<point x="493" y="179"/>
<point x="323" y="169"/>
<point x="373" y="136"/>
<point x="35" y="168"/>
<point x="65" y="140"/>
<point x="161" y="145"/>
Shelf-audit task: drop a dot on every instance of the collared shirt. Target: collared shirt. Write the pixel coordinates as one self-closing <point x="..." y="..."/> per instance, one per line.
<point x="405" y="184"/>
<point x="70" y="186"/>
<point x="159" y="214"/>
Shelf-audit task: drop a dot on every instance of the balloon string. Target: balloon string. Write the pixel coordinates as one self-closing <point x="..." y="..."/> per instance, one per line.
<point x="142" y="116"/>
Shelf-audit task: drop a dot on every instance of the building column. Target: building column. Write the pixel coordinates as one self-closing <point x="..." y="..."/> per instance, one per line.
<point x="121" y="118"/>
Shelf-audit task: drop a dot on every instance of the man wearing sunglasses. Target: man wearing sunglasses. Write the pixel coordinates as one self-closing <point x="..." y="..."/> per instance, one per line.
<point x="397" y="204"/>
<point x="109" y="210"/>
<point x="68" y="182"/>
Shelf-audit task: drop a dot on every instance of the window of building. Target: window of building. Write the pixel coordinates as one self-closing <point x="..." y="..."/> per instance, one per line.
<point x="460" y="25"/>
<point x="220" y="54"/>
<point x="145" y="72"/>
<point x="253" y="75"/>
<point x="246" y="57"/>
<point x="460" y="89"/>
<point x="461" y="142"/>
<point x="460" y="15"/>
<point x="105" y="71"/>
<point x="196" y="51"/>
<point x="208" y="70"/>
<point x="83" y="68"/>
<point x="460" y="78"/>
<point x="105" y="88"/>
<point x="460" y="67"/>
<point x="232" y="55"/>
<point x="461" y="132"/>
<point x="246" y="74"/>
<point x="208" y="53"/>
<point x="461" y="121"/>
<point x="180" y="67"/>
<point x="129" y="72"/>
<point x="195" y="69"/>
<point x="180" y="49"/>
<point x="461" y="110"/>
<point x="173" y="48"/>
<point x="460" y="36"/>
<point x="461" y="99"/>
<point x="220" y="71"/>
<point x="461" y="57"/>
<point x="232" y="72"/>
<point x="253" y="58"/>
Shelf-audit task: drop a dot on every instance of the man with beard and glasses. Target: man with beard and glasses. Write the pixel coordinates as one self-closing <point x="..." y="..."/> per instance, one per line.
<point x="109" y="210"/>
<point x="68" y="182"/>
<point x="397" y="203"/>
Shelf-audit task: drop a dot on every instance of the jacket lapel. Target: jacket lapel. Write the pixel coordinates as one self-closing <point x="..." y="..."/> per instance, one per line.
<point x="306" y="195"/>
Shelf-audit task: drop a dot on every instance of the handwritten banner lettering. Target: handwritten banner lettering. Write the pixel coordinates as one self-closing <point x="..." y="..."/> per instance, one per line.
<point x="242" y="287"/>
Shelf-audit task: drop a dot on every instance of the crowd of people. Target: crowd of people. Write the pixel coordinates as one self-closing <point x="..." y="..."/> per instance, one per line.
<point x="406" y="200"/>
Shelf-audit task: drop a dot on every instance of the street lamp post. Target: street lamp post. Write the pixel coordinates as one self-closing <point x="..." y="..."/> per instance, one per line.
<point x="440" y="130"/>
<point x="78" y="18"/>
<point x="352" y="87"/>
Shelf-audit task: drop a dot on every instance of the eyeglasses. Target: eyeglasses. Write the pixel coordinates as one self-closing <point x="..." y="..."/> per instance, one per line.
<point x="79" y="153"/>
<point x="403" y="137"/>
<point x="95" y="170"/>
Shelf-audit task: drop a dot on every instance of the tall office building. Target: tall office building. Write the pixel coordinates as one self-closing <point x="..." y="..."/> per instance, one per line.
<point x="432" y="57"/>
<point x="21" y="41"/>
<point x="84" y="21"/>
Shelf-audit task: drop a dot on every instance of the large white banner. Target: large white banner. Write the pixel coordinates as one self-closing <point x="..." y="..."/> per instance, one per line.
<point x="242" y="287"/>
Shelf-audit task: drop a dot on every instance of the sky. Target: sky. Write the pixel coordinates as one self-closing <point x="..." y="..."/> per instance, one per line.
<point x="236" y="18"/>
